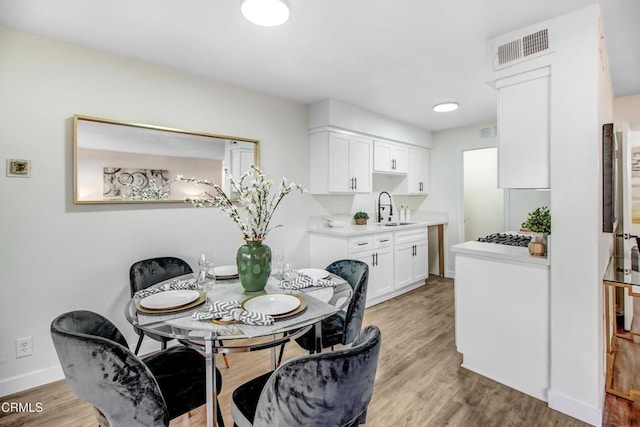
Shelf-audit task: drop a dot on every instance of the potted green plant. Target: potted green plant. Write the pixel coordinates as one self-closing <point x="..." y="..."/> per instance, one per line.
<point x="361" y="217"/>
<point x="539" y="222"/>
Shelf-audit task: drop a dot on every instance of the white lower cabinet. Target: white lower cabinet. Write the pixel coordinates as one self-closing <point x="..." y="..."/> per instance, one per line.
<point x="397" y="261"/>
<point x="380" y="262"/>
<point x="411" y="252"/>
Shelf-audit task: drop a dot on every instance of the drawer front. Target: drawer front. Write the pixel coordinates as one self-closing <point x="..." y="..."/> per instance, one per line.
<point x="413" y="235"/>
<point x="382" y="240"/>
<point x="360" y="244"/>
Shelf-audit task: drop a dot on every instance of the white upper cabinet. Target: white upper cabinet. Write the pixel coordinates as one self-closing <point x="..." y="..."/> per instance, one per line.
<point x="523" y="130"/>
<point x="390" y="158"/>
<point x="418" y="177"/>
<point x="339" y="163"/>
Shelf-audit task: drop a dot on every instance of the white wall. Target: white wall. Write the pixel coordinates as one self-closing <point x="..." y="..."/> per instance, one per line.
<point x="446" y="176"/>
<point x="56" y="256"/>
<point x="581" y="101"/>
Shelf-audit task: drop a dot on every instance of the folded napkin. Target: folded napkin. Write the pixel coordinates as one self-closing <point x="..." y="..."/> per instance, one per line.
<point x="174" y="285"/>
<point x="303" y="281"/>
<point x="232" y="310"/>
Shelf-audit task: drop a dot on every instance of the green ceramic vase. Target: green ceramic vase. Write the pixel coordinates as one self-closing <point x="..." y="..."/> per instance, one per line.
<point x="254" y="264"/>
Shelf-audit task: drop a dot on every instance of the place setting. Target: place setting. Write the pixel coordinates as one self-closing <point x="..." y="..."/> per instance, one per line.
<point x="259" y="310"/>
<point x="175" y="295"/>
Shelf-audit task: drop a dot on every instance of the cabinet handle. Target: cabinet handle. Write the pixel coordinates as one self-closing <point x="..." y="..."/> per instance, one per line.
<point x="363" y="244"/>
<point x="393" y="164"/>
<point x="384" y="241"/>
<point x="355" y="183"/>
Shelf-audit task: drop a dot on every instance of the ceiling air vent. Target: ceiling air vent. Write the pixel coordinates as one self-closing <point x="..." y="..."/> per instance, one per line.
<point x="521" y="49"/>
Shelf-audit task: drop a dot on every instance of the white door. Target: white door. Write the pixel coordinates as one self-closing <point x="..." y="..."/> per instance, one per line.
<point x="483" y="201"/>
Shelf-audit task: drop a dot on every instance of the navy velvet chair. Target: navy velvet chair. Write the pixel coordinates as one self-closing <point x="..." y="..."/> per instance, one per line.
<point x="148" y="272"/>
<point x="126" y="390"/>
<point x="323" y="389"/>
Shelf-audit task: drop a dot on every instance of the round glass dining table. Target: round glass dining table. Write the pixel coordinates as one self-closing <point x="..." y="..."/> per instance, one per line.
<point x="209" y="336"/>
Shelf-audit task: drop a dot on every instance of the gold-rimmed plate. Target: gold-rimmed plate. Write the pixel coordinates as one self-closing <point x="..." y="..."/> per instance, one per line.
<point x="315" y="273"/>
<point x="271" y="304"/>
<point x="224" y="272"/>
<point x="202" y="297"/>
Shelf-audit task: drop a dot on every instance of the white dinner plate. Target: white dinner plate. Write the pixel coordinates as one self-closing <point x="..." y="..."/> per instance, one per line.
<point x="169" y="299"/>
<point x="225" y="270"/>
<point x="315" y="273"/>
<point x="272" y="304"/>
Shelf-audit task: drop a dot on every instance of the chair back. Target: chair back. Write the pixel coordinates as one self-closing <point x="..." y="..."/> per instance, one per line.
<point x="323" y="389"/>
<point x="357" y="274"/>
<point x="101" y="370"/>
<point x="145" y="273"/>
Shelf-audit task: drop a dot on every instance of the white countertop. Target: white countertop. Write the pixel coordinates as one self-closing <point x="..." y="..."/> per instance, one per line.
<point x="503" y="252"/>
<point x="350" y="230"/>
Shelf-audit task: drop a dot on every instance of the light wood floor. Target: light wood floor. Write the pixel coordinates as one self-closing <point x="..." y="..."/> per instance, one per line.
<point x="419" y="381"/>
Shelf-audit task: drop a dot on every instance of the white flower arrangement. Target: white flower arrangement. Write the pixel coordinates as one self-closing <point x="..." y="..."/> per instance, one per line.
<point x="255" y="200"/>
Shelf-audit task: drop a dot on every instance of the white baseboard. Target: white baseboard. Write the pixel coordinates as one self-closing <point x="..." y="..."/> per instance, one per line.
<point x="575" y="408"/>
<point x="451" y="274"/>
<point x="54" y="373"/>
<point x="30" y="379"/>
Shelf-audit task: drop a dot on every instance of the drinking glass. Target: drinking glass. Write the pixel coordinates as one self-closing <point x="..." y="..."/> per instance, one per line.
<point x="289" y="272"/>
<point x="278" y="263"/>
<point x="205" y="262"/>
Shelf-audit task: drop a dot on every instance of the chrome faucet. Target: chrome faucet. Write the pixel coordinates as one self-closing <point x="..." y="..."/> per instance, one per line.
<point x="382" y="206"/>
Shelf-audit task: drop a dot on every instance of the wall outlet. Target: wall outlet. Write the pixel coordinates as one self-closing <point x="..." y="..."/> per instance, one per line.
<point x="24" y="347"/>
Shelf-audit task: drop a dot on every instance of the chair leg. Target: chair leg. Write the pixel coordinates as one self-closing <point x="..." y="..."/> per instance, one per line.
<point x="219" y="415"/>
<point x="163" y="345"/>
<point x="139" y="344"/>
<point x="281" y="354"/>
<point x="224" y="356"/>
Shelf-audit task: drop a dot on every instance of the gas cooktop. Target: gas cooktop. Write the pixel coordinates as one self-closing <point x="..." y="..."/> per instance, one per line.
<point x="507" y="239"/>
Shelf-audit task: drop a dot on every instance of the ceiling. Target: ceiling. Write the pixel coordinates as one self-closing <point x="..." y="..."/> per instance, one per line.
<point x="397" y="58"/>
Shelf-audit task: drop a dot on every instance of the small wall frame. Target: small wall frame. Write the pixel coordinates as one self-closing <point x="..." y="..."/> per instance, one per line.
<point x="17" y="168"/>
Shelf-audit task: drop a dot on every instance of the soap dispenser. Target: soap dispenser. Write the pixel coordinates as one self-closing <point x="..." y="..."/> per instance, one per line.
<point x="407" y="214"/>
<point x="402" y="214"/>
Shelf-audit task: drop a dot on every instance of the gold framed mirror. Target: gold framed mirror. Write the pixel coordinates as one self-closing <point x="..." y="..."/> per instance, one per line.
<point x="118" y="162"/>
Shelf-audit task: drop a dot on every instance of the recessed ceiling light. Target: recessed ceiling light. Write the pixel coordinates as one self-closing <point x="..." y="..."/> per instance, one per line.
<point x="445" y="107"/>
<point x="268" y="13"/>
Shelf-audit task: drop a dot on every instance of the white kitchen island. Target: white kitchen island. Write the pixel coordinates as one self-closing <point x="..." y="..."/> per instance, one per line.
<point x="502" y="315"/>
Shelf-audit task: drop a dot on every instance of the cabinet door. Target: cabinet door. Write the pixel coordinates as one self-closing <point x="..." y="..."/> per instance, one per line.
<point x="403" y="265"/>
<point x="523" y="130"/>
<point x="418" y="171"/>
<point x="382" y="156"/>
<point x="339" y="177"/>
<point x="380" y="272"/>
<point x="360" y="164"/>
<point x="381" y="278"/>
<point x="420" y="262"/>
<point x="400" y="157"/>
<point x="390" y="158"/>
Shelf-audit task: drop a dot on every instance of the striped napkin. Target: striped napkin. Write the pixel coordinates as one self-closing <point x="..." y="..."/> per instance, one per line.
<point x="303" y="281"/>
<point x="174" y="285"/>
<point x="232" y="310"/>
